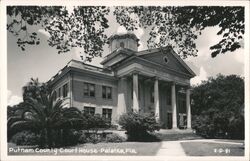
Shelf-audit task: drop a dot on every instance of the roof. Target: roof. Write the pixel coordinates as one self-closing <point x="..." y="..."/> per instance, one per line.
<point x="140" y="54"/>
<point x="75" y="64"/>
<point x="123" y="36"/>
<point x="167" y="48"/>
<point x="116" y="52"/>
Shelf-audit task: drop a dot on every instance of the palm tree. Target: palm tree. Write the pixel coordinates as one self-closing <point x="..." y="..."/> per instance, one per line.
<point x="34" y="88"/>
<point x="45" y="116"/>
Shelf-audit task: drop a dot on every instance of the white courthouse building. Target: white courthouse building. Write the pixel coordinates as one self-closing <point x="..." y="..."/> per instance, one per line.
<point x="155" y="80"/>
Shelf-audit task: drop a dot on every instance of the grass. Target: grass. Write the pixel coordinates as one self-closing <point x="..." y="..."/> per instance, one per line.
<point x="176" y="134"/>
<point x="175" y="137"/>
<point x="212" y="149"/>
<point x="121" y="149"/>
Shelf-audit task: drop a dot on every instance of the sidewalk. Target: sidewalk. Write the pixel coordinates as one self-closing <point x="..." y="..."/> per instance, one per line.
<point x="171" y="148"/>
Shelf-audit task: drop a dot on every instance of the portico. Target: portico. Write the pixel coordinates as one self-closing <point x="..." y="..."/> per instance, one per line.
<point x="155" y="94"/>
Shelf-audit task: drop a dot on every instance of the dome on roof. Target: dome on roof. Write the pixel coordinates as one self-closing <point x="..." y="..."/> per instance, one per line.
<point x="128" y="41"/>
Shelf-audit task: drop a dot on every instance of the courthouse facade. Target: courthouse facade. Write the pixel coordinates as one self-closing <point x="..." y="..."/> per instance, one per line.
<point x="154" y="80"/>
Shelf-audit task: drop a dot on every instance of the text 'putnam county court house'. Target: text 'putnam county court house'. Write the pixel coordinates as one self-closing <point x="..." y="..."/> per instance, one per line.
<point x="151" y="80"/>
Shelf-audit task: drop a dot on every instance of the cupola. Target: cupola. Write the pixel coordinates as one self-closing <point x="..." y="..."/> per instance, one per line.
<point x="127" y="41"/>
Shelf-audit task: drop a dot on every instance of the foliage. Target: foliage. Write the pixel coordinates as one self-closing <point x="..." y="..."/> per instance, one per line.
<point x="94" y="138"/>
<point x="70" y="137"/>
<point x="114" y="138"/>
<point x="34" y="89"/>
<point x="25" y="138"/>
<point x="82" y="138"/>
<point x="14" y="110"/>
<point x="83" y="28"/>
<point x="167" y="25"/>
<point x="94" y="122"/>
<point x="180" y="26"/>
<point x="13" y="113"/>
<point x="45" y="117"/>
<point x="218" y="107"/>
<point x="138" y="125"/>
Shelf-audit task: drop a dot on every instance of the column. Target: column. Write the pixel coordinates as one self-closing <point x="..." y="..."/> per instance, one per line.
<point x="135" y="92"/>
<point x="174" y="112"/>
<point x="188" y="108"/>
<point x="156" y="99"/>
<point x="122" y="96"/>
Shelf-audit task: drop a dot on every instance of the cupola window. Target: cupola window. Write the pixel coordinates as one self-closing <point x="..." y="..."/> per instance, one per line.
<point x="122" y="44"/>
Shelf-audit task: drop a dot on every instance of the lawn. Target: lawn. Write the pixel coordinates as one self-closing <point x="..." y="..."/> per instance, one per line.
<point x="174" y="137"/>
<point x="124" y="148"/>
<point x="212" y="149"/>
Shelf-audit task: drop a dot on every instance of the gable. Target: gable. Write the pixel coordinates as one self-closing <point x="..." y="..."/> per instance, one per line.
<point x="172" y="62"/>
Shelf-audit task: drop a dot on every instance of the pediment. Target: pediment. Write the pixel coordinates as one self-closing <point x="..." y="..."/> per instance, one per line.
<point x="168" y="59"/>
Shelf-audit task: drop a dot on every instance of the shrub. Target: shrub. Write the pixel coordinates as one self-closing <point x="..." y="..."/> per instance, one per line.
<point x="89" y="123"/>
<point x="237" y="127"/>
<point x="25" y="138"/>
<point x="114" y="138"/>
<point x="70" y="137"/>
<point x="95" y="121"/>
<point x="139" y="125"/>
<point x="82" y="138"/>
<point x="219" y="125"/>
<point x="93" y="138"/>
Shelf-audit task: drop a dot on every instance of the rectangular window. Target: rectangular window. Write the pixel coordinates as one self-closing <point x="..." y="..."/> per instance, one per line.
<point x="106" y="92"/>
<point x="89" y="90"/>
<point x="107" y="113"/>
<point x="65" y="90"/>
<point x="89" y="110"/>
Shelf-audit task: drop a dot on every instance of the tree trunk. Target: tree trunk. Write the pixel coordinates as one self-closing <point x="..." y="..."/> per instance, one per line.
<point x="49" y="137"/>
<point x="43" y="139"/>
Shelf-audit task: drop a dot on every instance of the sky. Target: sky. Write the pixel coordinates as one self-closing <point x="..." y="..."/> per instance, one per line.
<point x="43" y="62"/>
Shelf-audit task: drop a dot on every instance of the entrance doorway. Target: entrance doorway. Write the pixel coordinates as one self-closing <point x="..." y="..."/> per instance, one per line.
<point x="169" y="122"/>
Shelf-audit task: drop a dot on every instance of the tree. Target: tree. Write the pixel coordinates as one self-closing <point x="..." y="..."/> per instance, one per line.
<point x="45" y="117"/>
<point x="180" y="26"/>
<point x="34" y="89"/>
<point x="85" y="26"/>
<point x="13" y="112"/>
<point x="218" y="107"/>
